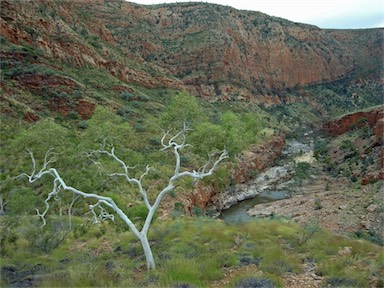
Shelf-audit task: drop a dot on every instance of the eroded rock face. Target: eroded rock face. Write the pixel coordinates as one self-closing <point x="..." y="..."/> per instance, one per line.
<point x="214" y="51"/>
<point x="64" y="36"/>
<point x="373" y="119"/>
<point x="373" y="177"/>
<point x="257" y="158"/>
<point x="85" y="108"/>
<point x="64" y="106"/>
<point x="369" y="146"/>
<point x="201" y="196"/>
<point x="46" y="84"/>
<point x="30" y="117"/>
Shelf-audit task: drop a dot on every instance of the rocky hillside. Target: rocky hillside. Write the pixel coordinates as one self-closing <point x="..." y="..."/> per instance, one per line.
<point x="213" y="51"/>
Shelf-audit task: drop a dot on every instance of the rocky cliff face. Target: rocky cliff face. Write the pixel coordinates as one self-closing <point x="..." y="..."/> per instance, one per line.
<point x="214" y="51"/>
<point x="372" y="119"/>
<point x="257" y="158"/>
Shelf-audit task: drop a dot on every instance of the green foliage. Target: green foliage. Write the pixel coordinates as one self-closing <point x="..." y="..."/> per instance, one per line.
<point x="179" y="275"/>
<point x="308" y="232"/>
<point x="241" y="130"/>
<point x="347" y="144"/>
<point x="138" y="214"/>
<point x="277" y="262"/>
<point x="9" y="235"/>
<point x="222" y="178"/>
<point x="22" y="201"/>
<point x="127" y="96"/>
<point x="206" y="137"/>
<point x="183" y="108"/>
<point x="48" y="238"/>
<point x="302" y="172"/>
<point x="235" y="132"/>
<point x="232" y="131"/>
<point x="38" y="138"/>
<point x="317" y="204"/>
<point x="105" y="126"/>
<point x="41" y="137"/>
<point x="371" y="236"/>
<point x="29" y="69"/>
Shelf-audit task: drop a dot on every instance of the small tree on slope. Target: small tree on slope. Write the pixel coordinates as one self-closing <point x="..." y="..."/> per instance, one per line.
<point x="106" y="204"/>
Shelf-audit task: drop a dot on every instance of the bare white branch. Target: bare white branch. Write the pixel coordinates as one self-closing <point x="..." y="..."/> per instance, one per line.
<point x="125" y="174"/>
<point x="74" y="198"/>
<point x="53" y="193"/>
<point x="103" y="215"/>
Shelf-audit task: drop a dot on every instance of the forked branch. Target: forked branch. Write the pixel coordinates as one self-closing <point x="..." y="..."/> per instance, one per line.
<point x="175" y="143"/>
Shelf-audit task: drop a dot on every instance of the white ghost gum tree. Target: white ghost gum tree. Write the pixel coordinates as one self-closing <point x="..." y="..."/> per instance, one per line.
<point x="106" y="206"/>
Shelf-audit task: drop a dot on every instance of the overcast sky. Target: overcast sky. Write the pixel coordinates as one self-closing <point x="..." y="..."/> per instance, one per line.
<point x="339" y="14"/>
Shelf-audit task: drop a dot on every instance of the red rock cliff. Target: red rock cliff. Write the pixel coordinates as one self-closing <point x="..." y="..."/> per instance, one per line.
<point x="214" y="51"/>
<point x="373" y="119"/>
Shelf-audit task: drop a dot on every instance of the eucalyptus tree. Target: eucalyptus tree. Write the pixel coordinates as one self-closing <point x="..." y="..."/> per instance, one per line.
<point x="105" y="207"/>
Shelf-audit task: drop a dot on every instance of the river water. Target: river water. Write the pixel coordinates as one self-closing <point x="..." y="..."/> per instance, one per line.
<point x="238" y="213"/>
<point x="263" y="183"/>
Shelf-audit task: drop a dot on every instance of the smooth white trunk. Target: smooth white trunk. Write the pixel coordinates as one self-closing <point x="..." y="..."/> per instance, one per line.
<point x="147" y="252"/>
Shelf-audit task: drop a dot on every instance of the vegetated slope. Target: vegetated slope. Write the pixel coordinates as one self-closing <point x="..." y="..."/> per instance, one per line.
<point x="213" y="51"/>
<point x="191" y="252"/>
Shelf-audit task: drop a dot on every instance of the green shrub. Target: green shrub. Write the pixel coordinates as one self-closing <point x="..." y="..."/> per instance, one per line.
<point x="254" y="282"/>
<point x="317" y="204"/>
<point x="275" y="261"/>
<point x="347" y="145"/>
<point x="181" y="270"/>
<point x="22" y="201"/>
<point x="49" y="237"/>
<point x="105" y="126"/>
<point x="207" y="137"/>
<point x="127" y="96"/>
<point x="320" y="148"/>
<point x="183" y="108"/>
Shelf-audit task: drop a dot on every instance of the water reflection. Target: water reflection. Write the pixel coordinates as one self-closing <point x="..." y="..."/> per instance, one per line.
<point x="238" y="213"/>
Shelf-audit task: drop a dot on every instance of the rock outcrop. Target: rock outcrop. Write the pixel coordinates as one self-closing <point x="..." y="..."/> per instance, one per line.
<point x="374" y="119"/>
<point x="257" y="158"/>
<point x="370" y="147"/>
<point x="254" y="187"/>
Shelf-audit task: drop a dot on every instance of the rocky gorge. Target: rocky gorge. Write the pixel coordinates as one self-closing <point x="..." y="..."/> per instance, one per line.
<point x="272" y="178"/>
<point x="255" y="172"/>
<point x="332" y="203"/>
